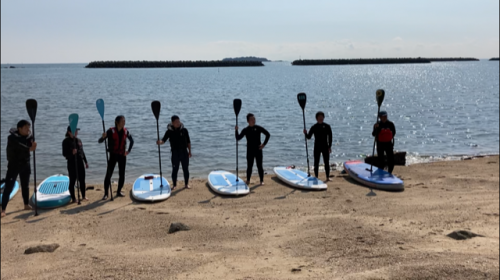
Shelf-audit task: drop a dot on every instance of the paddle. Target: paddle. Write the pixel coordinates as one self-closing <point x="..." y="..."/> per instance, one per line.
<point x="31" y="107"/>
<point x="73" y="124"/>
<point x="156" y="107"/>
<point x="380" y="100"/>
<point x="237" y="108"/>
<point x="302" y="98"/>
<point x="100" y="108"/>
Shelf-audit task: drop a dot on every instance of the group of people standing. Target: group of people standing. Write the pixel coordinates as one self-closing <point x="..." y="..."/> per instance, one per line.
<point x="20" y="144"/>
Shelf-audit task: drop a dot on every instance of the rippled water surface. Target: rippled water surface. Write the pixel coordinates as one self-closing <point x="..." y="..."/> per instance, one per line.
<point x="439" y="109"/>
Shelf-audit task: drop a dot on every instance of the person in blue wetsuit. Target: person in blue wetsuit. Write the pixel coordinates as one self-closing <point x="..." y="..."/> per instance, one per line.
<point x="255" y="146"/>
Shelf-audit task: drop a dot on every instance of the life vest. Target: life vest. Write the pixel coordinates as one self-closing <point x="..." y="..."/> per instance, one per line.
<point x="119" y="148"/>
<point x="385" y="135"/>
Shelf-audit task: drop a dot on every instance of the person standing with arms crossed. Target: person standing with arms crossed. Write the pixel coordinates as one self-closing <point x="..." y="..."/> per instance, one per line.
<point x="253" y="134"/>
<point x="323" y="143"/>
<point x="180" y="145"/>
<point x="117" y="141"/>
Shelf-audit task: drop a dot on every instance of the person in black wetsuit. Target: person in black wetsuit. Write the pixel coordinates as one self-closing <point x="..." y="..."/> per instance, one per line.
<point x="75" y="156"/>
<point x="253" y="134"/>
<point x="117" y="141"/>
<point x="384" y="132"/>
<point x="323" y="143"/>
<point x="180" y="145"/>
<point x="19" y="145"/>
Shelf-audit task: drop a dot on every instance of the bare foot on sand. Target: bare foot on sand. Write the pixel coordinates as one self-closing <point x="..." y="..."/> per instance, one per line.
<point x="248" y="183"/>
<point x="28" y="207"/>
<point x="262" y="183"/>
<point x="188" y="187"/>
<point x="4" y="214"/>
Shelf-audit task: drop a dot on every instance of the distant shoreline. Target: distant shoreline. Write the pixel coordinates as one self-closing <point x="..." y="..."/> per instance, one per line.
<point x="420" y="60"/>
<point x="494" y="59"/>
<point x="172" y="64"/>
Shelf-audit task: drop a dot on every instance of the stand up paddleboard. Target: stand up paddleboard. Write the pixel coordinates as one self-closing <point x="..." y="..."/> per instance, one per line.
<point x="53" y="192"/>
<point x="377" y="179"/>
<point x="298" y="179"/>
<point x="12" y="194"/>
<point x="224" y="183"/>
<point x="148" y="188"/>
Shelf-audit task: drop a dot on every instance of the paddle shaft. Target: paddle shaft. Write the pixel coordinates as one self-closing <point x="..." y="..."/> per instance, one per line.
<point x="159" y="151"/>
<point x="107" y="160"/>
<point x="375" y="141"/>
<point x="237" y="163"/>
<point x="307" y="148"/>
<point x="34" y="170"/>
<point x="76" y="171"/>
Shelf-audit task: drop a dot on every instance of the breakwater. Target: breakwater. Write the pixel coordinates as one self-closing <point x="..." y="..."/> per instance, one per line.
<point x="361" y="61"/>
<point x="172" y="64"/>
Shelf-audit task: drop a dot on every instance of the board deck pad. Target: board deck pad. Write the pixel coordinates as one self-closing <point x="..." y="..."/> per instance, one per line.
<point x="149" y="188"/>
<point x="377" y="179"/>
<point x="299" y="179"/>
<point x="224" y="183"/>
<point x="53" y="192"/>
<point x="12" y="194"/>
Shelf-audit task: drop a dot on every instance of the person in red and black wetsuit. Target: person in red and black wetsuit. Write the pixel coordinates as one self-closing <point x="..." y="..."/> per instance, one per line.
<point x="384" y="132"/>
<point x="117" y="141"/>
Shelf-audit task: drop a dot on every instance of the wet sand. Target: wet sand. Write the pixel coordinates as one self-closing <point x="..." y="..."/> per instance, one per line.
<point x="338" y="234"/>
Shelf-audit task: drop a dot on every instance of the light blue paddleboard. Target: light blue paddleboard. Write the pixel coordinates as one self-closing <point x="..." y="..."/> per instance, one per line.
<point x="53" y="192"/>
<point x="377" y="179"/>
<point x="299" y="179"/>
<point x="224" y="183"/>
<point x="12" y="194"/>
<point x="149" y="188"/>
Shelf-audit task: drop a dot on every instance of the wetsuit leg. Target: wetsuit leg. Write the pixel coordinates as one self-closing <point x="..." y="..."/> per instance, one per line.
<point x="317" y="157"/>
<point x="259" y="157"/>
<point x="389" y="150"/>
<point x="122" y="164"/>
<point x="326" y="160"/>
<point x="381" y="155"/>
<point x="185" y="166"/>
<point x="113" y="159"/>
<point x="250" y="160"/>
<point x="176" y="161"/>
<point x="10" y="182"/>
<point x="24" y="177"/>
<point x="81" y="177"/>
<point x="72" y="178"/>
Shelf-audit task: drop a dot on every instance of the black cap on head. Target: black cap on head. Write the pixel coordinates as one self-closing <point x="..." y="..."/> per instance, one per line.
<point x="382" y="114"/>
<point x="174" y="118"/>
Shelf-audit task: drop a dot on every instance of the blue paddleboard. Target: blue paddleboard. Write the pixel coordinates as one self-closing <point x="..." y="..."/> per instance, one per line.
<point x="149" y="188"/>
<point x="224" y="183"/>
<point x="53" y="192"/>
<point x="12" y="194"/>
<point x="377" y="179"/>
<point x="299" y="179"/>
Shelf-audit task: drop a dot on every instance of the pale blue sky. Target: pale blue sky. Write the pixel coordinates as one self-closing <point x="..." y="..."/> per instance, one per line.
<point x="53" y="31"/>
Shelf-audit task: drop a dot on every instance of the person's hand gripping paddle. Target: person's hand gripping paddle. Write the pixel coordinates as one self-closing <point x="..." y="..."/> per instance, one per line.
<point x="73" y="124"/>
<point x="32" y="107"/>
<point x="156" y="108"/>
<point x="302" y="98"/>
<point x="100" y="108"/>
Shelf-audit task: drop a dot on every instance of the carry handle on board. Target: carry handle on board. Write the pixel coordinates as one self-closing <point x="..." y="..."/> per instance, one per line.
<point x="237" y="103"/>
<point x="73" y="124"/>
<point x="100" y="108"/>
<point x="32" y="107"/>
<point x="380" y="99"/>
<point x="156" y="108"/>
<point x="302" y="98"/>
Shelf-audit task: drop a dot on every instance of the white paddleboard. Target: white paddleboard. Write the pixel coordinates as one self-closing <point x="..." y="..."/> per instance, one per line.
<point x="224" y="183"/>
<point x="373" y="177"/>
<point x="299" y="179"/>
<point x="53" y="192"/>
<point x="149" y="188"/>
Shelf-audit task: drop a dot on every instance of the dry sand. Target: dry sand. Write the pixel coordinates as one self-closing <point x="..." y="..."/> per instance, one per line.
<point x="338" y="234"/>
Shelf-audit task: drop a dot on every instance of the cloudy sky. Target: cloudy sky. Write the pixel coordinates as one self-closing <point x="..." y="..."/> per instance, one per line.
<point x="63" y="31"/>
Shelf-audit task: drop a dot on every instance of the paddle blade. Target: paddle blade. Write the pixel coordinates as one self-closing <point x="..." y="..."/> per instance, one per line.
<point x="237" y="106"/>
<point x="31" y="107"/>
<point x="302" y="98"/>
<point x="100" y="107"/>
<point x="156" y="107"/>
<point x="73" y="122"/>
<point x="380" y="97"/>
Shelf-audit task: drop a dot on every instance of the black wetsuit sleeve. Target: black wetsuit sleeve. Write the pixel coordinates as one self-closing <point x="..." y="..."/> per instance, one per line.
<point x="166" y="136"/>
<point x="109" y="135"/>
<point x="67" y="149"/>
<point x="131" y="144"/>
<point x="240" y="136"/>
<point x="188" y="139"/>
<point x="376" y="131"/>
<point x="393" y="128"/>
<point x="330" y="137"/>
<point x="84" y="157"/>
<point x="267" y="134"/>
<point x="311" y="132"/>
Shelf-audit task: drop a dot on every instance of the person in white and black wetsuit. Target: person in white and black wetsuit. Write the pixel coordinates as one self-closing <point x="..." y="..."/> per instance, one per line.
<point x="255" y="146"/>
<point x="117" y="142"/>
<point x="19" y="145"/>
<point x="76" y="160"/>
<point x="180" y="145"/>
<point x="323" y="143"/>
<point x="384" y="133"/>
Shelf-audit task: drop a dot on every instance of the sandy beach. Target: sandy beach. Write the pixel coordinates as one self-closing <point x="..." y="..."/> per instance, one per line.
<point x="274" y="233"/>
